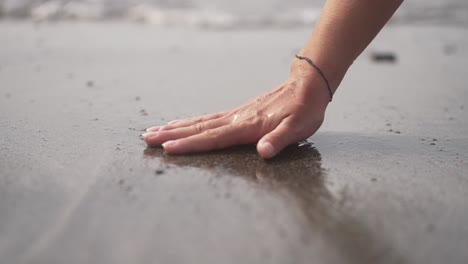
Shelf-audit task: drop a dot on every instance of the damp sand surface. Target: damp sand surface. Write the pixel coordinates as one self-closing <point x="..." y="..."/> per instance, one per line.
<point x="384" y="181"/>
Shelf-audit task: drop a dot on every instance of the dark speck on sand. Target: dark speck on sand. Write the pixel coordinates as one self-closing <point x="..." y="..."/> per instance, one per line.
<point x="90" y="83"/>
<point x="384" y="57"/>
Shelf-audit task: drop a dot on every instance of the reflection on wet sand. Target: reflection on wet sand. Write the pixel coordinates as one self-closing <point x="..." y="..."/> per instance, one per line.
<point x="297" y="172"/>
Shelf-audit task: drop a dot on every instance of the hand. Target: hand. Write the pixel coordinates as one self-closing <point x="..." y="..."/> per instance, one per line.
<point x="290" y="113"/>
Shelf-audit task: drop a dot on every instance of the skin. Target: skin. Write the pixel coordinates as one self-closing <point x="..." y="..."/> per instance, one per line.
<point x="295" y="110"/>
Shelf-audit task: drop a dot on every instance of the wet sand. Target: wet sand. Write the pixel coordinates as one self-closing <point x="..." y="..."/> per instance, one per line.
<point x="384" y="181"/>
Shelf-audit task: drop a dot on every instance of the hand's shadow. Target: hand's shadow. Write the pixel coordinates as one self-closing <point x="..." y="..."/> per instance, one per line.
<point x="297" y="169"/>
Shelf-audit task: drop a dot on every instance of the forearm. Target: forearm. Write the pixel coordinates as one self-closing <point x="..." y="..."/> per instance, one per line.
<point x="343" y="31"/>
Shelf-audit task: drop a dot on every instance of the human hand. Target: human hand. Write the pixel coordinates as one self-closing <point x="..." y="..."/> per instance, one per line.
<point x="290" y="113"/>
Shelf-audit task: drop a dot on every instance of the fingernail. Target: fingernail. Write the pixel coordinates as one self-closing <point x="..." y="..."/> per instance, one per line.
<point x="153" y="129"/>
<point x="149" y="134"/>
<point x="173" y="121"/>
<point x="268" y="148"/>
<point x="168" y="143"/>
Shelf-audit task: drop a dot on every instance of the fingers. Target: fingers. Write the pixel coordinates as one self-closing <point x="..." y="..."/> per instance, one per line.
<point x="186" y="122"/>
<point x="153" y="129"/>
<point x="161" y="136"/>
<point x="217" y="138"/>
<point x="275" y="141"/>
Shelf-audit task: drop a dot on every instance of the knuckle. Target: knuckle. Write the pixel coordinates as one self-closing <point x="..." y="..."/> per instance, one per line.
<point x="253" y="123"/>
<point x="198" y="120"/>
<point x="199" y="127"/>
<point x="212" y="133"/>
<point x="260" y="98"/>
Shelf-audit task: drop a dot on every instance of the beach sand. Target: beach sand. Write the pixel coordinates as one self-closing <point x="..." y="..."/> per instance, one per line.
<point x="385" y="180"/>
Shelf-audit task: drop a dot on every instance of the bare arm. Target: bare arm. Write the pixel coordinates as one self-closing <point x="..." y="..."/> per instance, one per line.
<point x="295" y="110"/>
<point x="344" y="30"/>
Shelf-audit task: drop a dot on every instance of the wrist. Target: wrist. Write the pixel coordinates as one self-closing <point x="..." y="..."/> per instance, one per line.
<point x="333" y="68"/>
<point x="312" y="83"/>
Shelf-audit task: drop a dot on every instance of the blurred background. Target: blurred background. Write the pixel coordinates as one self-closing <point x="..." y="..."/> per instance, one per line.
<point x="218" y="13"/>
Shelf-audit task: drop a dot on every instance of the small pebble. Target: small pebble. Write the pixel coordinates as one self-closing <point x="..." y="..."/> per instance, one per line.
<point x="159" y="172"/>
<point x="384" y="57"/>
<point x="432" y="144"/>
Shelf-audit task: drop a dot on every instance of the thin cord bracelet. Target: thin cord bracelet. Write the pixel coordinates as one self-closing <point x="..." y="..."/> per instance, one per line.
<point x="319" y="71"/>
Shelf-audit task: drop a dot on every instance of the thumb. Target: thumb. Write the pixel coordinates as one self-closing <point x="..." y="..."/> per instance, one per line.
<point x="275" y="141"/>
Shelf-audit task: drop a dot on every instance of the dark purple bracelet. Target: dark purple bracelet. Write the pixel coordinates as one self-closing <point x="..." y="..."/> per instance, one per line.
<point x="319" y="71"/>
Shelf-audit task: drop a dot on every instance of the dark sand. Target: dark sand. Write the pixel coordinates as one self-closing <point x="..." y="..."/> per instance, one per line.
<point x="384" y="181"/>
